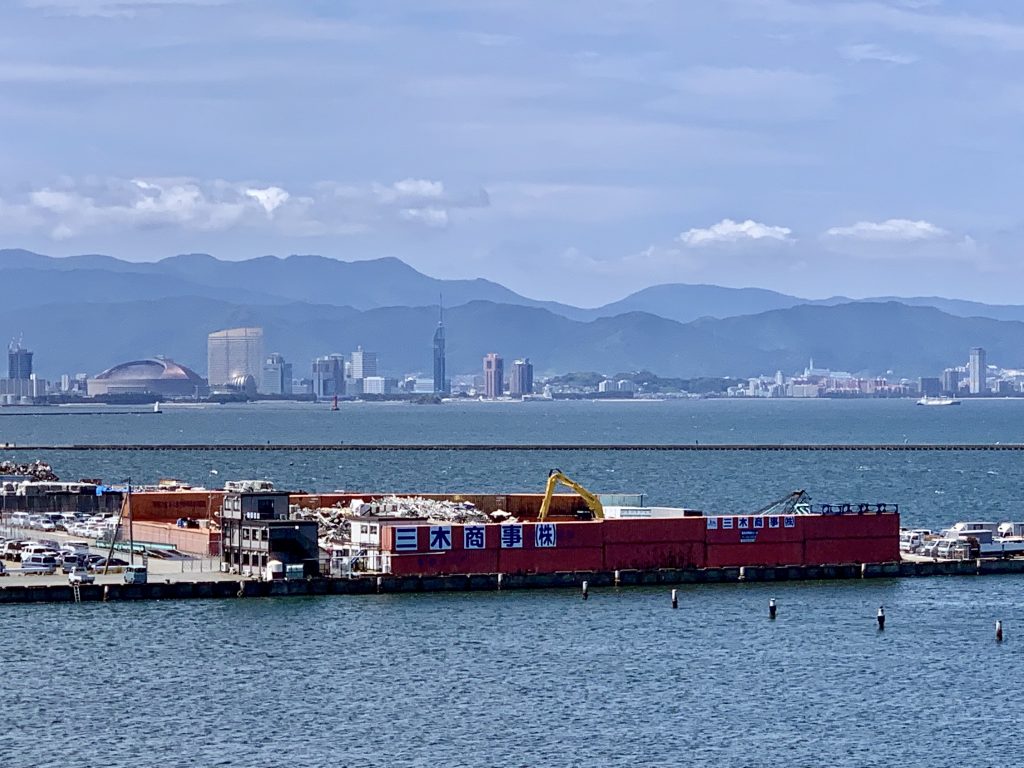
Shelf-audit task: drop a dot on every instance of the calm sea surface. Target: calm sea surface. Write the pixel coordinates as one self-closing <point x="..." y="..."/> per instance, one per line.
<point x="534" y="679"/>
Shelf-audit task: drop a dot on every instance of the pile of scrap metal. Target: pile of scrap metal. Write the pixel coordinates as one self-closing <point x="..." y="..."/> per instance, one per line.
<point x="335" y="523"/>
<point x="35" y="470"/>
<point x="419" y="508"/>
<point x="332" y="522"/>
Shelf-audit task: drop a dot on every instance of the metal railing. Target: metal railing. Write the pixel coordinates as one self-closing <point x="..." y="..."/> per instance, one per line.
<point x="201" y="565"/>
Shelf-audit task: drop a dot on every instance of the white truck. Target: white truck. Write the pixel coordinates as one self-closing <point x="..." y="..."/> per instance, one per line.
<point x="80" y="575"/>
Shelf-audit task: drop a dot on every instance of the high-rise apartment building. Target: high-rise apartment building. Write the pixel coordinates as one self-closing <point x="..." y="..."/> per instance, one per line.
<point x="364" y="364"/>
<point x="277" y="376"/>
<point x="520" y="378"/>
<point x="329" y="376"/>
<point x="19" y="362"/>
<point x="234" y="353"/>
<point x="977" y="370"/>
<point x="494" y="376"/>
<point x="951" y="378"/>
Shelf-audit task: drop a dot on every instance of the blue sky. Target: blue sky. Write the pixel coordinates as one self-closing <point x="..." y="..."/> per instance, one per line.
<point x="574" y="150"/>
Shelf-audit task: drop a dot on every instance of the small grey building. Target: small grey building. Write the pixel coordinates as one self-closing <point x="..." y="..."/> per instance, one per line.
<point x="256" y="529"/>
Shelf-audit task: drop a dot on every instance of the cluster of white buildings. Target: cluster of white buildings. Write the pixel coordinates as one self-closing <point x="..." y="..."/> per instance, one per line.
<point x="976" y="378"/>
<point x="622" y="385"/>
<point x="822" y="382"/>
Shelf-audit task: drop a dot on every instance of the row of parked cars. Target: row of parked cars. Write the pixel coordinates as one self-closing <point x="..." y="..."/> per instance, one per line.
<point x="47" y="555"/>
<point x="76" y="523"/>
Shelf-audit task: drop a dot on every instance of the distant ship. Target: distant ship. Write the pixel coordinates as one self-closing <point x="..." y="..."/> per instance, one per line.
<point x="927" y="400"/>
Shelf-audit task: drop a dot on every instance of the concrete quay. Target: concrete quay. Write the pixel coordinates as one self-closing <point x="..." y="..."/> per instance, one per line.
<point x="222" y="586"/>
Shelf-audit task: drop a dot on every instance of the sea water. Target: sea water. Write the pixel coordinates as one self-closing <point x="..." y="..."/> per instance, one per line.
<point x="530" y="679"/>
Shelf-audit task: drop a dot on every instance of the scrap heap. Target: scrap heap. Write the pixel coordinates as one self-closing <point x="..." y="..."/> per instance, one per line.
<point x="36" y="470"/>
<point x="335" y="522"/>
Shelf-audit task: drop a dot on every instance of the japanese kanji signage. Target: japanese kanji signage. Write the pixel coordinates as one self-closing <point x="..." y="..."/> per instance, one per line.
<point x="512" y="536"/>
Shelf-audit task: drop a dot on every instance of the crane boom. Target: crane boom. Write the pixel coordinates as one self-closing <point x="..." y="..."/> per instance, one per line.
<point x="795" y="503"/>
<point x="556" y="476"/>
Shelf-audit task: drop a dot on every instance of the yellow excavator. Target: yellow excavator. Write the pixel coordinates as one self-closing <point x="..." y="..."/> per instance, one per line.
<point x="556" y="476"/>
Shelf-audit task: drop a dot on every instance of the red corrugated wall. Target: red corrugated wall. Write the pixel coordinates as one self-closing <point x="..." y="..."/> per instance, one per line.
<point x="648" y="544"/>
<point x="670" y="543"/>
<point x="168" y="506"/>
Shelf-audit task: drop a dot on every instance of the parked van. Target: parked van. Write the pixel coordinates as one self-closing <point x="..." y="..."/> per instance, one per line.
<point x="910" y="541"/>
<point x="66" y="521"/>
<point x="20" y="519"/>
<point x="136" y="574"/>
<point x="39" y="564"/>
<point x="31" y="550"/>
<point x="12" y="549"/>
<point x="75" y="547"/>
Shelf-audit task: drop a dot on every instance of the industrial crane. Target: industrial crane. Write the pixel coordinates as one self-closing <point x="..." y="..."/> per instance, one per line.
<point x="556" y="476"/>
<point x="795" y="503"/>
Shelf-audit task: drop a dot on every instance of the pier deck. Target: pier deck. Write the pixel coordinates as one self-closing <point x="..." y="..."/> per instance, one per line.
<point x="225" y="586"/>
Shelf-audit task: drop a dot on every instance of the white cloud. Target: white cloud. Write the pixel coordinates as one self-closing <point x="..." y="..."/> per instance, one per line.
<point x="270" y="198"/>
<point x="417" y="188"/>
<point x="899" y="230"/>
<point x="73" y="207"/>
<point x="432" y="217"/>
<point x="729" y="231"/>
<point x="871" y="52"/>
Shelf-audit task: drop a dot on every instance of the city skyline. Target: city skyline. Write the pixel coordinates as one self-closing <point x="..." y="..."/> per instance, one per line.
<point x="332" y="376"/>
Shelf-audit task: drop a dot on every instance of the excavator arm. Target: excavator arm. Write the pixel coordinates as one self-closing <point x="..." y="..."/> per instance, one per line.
<point x="556" y="476"/>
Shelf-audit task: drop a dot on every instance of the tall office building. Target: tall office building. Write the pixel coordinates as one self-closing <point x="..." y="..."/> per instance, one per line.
<point x="930" y="386"/>
<point x="364" y="364"/>
<point x="234" y="353"/>
<point x="520" y="378"/>
<point x="494" y="376"/>
<point x="440" y="380"/>
<point x="329" y="376"/>
<point x="277" y="376"/>
<point x="977" y="371"/>
<point x="951" y="381"/>
<point x="19" y="362"/>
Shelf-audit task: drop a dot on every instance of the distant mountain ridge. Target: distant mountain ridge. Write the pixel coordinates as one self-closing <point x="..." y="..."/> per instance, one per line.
<point x="912" y="341"/>
<point x="86" y="313"/>
<point x="383" y="282"/>
<point x="366" y="284"/>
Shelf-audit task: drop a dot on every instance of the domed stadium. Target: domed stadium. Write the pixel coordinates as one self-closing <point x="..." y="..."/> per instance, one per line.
<point x="156" y="375"/>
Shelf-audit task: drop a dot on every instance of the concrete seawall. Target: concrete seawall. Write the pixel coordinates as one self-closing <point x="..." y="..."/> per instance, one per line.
<point x="366" y="585"/>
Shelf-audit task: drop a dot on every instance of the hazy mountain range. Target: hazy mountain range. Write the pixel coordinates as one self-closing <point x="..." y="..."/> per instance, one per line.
<point x="85" y="313"/>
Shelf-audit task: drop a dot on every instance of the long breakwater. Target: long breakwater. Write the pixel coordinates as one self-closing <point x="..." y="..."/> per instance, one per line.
<point x="665" y="447"/>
